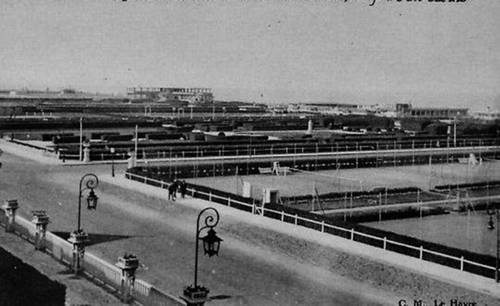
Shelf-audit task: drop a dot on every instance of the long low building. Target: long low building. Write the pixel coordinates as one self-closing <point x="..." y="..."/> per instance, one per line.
<point x="406" y="110"/>
<point x="325" y="108"/>
<point x="169" y="94"/>
<point x="487" y="115"/>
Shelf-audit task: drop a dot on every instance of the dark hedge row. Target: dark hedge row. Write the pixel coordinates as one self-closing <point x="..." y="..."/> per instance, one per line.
<point x="356" y="194"/>
<point x="404" y="213"/>
<point x="220" y="147"/>
<point x="229" y="168"/>
<point x="72" y="123"/>
<point x="478" y="185"/>
<point x="86" y="106"/>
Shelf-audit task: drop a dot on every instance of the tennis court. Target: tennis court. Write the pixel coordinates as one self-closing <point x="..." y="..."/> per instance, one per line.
<point x="304" y="183"/>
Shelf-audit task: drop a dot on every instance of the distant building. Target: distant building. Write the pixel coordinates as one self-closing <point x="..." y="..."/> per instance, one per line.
<point x="403" y="108"/>
<point x="47" y="95"/>
<point x="406" y="110"/>
<point x="487" y="115"/>
<point x="326" y="108"/>
<point x="164" y="94"/>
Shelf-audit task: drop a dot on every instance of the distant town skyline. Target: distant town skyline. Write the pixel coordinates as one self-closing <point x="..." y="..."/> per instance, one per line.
<point x="432" y="54"/>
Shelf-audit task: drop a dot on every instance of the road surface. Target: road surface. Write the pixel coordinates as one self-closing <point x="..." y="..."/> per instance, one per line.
<point x="257" y="265"/>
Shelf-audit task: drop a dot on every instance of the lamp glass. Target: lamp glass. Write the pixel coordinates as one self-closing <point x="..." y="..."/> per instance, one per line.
<point x="211" y="243"/>
<point x="92" y="200"/>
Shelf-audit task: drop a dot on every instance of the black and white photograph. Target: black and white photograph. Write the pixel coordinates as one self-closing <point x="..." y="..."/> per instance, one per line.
<point x="250" y="152"/>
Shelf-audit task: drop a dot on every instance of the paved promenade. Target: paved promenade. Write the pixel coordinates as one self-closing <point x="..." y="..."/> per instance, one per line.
<point x="439" y="272"/>
<point x="79" y="293"/>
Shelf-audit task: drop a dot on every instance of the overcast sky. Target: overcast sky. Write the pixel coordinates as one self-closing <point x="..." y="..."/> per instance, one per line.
<point x="330" y="50"/>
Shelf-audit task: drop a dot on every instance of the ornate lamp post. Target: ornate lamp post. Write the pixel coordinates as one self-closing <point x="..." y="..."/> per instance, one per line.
<point x="195" y="295"/>
<point x="78" y="238"/>
<point x="91" y="181"/>
<point x="112" y="151"/>
<point x="112" y="162"/>
<point x="491" y="226"/>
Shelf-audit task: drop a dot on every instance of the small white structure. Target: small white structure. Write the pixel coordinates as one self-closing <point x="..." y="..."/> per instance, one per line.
<point x="269" y="195"/>
<point x="247" y="189"/>
<point x="278" y="170"/>
<point x="266" y="170"/>
<point x="472" y="160"/>
<point x="309" y="127"/>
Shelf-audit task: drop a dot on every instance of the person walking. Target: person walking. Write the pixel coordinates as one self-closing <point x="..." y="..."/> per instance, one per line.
<point x="183" y="187"/>
<point x="172" y="191"/>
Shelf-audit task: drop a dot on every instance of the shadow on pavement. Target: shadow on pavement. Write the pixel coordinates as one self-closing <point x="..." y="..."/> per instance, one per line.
<point x="94" y="238"/>
<point x="220" y="297"/>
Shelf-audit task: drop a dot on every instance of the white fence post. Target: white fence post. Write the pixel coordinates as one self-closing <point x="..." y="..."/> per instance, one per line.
<point x="352" y="233"/>
<point x="282" y="216"/>
<point x="421" y="252"/>
<point x="461" y="263"/>
<point x="295" y="219"/>
<point x="385" y="243"/>
<point x="228" y="202"/>
<point x="323" y="226"/>
<point x="210" y="197"/>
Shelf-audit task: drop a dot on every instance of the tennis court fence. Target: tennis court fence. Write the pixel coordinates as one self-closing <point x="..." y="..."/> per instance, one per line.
<point x="462" y="260"/>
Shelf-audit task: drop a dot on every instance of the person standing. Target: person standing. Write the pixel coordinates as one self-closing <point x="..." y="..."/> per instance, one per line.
<point x="183" y="187"/>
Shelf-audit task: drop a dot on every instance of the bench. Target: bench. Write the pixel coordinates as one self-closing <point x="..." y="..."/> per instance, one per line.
<point x="265" y="171"/>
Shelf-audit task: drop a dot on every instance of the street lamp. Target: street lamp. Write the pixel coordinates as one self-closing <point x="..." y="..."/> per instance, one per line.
<point x="491" y="226"/>
<point x="112" y="150"/>
<point x="79" y="238"/>
<point x="91" y="181"/>
<point x="195" y="295"/>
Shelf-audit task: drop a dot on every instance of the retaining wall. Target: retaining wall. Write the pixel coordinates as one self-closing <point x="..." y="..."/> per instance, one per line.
<point x="93" y="267"/>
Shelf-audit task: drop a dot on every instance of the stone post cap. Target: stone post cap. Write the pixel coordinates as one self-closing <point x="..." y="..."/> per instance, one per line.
<point x="198" y="294"/>
<point x="40" y="217"/>
<point x="11" y="204"/>
<point x="128" y="262"/>
<point x="78" y="237"/>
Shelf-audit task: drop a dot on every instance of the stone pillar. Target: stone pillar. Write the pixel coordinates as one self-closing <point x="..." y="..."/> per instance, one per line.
<point x="86" y="152"/>
<point x="131" y="160"/>
<point x="41" y="220"/>
<point x="195" y="296"/>
<point x="10" y="207"/>
<point x="128" y="263"/>
<point x="78" y="239"/>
